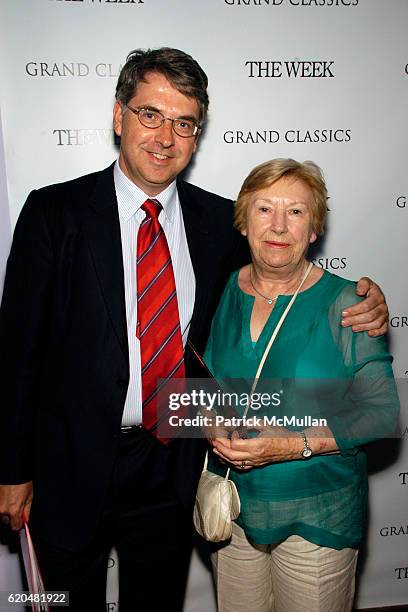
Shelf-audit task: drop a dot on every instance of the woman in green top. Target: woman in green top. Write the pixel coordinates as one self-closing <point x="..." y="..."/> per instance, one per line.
<point x="303" y="486"/>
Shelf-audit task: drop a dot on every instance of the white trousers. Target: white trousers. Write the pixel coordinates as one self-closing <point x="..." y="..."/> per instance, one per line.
<point x="293" y="576"/>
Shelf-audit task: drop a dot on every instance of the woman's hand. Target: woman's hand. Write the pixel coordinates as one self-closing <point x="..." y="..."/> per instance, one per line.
<point x="212" y="431"/>
<point x="272" y="445"/>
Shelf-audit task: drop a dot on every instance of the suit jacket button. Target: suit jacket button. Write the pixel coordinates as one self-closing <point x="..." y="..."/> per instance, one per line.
<point x="122" y="383"/>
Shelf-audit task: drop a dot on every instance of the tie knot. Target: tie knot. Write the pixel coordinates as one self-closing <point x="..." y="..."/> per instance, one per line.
<point x="152" y="208"/>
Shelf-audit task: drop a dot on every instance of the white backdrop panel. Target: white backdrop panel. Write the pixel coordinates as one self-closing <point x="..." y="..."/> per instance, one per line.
<point x="60" y="60"/>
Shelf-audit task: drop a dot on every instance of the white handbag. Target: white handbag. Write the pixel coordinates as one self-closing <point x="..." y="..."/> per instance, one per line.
<point x="217" y="501"/>
<point x="217" y="505"/>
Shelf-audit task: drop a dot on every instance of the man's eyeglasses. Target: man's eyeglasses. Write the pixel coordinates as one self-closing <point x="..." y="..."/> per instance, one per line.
<point x="186" y="128"/>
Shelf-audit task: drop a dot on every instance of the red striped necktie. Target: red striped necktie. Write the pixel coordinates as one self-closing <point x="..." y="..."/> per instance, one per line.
<point x="158" y="327"/>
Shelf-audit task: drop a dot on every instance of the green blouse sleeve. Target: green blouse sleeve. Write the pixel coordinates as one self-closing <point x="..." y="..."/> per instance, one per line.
<point x="369" y="410"/>
<point x="208" y="352"/>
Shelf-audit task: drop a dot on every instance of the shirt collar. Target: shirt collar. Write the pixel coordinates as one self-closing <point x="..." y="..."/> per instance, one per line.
<point x="130" y="197"/>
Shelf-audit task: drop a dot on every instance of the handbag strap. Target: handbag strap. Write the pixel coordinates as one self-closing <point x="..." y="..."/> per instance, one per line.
<point x="275" y="333"/>
<point x="266" y="352"/>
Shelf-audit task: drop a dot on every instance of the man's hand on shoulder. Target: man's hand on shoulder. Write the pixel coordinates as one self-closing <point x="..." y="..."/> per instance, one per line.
<point x="14" y="500"/>
<point x="369" y="315"/>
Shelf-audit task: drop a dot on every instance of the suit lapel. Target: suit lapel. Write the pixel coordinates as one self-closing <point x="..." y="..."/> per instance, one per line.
<point x="103" y="233"/>
<point x="102" y="230"/>
<point x="198" y="239"/>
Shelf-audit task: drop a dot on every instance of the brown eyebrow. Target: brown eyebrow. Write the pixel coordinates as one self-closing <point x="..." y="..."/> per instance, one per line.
<point x="148" y="107"/>
<point x="190" y="117"/>
<point x="269" y="201"/>
<point x="153" y="108"/>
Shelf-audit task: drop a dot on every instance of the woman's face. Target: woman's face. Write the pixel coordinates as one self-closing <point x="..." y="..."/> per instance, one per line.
<point x="279" y="224"/>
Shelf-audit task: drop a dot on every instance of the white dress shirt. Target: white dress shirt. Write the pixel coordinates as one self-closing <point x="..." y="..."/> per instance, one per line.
<point x="130" y="199"/>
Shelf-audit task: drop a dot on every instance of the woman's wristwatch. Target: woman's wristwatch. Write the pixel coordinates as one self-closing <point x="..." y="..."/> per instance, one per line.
<point x="306" y="451"/>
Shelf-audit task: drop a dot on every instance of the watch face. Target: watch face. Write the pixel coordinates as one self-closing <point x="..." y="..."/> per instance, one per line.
<point x="306" y="453"/>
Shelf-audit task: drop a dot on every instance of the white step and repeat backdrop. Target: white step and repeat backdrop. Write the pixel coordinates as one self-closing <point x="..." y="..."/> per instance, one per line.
<point x="325" y="80"/>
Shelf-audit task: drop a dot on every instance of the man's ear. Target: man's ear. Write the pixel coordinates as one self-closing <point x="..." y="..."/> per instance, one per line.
<point x="196" y="140"/>
<point x="117" y="118"/>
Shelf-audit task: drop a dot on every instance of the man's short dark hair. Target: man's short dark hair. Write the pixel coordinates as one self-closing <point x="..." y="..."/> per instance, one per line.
<point x="183" y="72"/>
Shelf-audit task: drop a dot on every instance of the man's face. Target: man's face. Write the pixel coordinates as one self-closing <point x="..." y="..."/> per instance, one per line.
<point x="152" y="158"/>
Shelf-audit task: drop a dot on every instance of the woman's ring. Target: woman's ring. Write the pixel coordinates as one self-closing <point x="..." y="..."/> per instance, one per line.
<point x="242" y="465"/>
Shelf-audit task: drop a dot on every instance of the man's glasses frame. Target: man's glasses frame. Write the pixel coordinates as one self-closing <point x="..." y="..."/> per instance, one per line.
<point x="153" y="119"/>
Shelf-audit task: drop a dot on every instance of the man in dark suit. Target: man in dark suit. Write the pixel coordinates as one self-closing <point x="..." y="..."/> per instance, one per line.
<point x="71" y="424"/>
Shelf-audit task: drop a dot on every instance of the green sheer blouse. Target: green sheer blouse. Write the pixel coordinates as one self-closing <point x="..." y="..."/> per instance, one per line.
<point x="325" y="370"/>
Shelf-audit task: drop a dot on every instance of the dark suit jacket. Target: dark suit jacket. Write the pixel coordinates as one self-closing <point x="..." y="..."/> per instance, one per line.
<point x="64" y="365"/>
